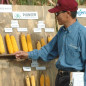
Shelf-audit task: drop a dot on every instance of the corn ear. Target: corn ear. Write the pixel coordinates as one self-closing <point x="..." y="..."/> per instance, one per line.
<point x="33" y="80"/>
<point x="47" y="80"/>
<point x="24" y="43"/>
<point x="14" y="44"/>
<point x="9" y="44"/>
<point x="43" y="42"/>
<point x="42" y="80"/>
<point x="38" y="45"/>
<point x="27" y="81"/>
<point x="2" y="48"/>
<point x="49" y="38"/>
<point x="29" y="43"/>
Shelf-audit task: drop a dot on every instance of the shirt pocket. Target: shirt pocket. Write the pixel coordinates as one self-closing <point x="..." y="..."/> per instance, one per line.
<point x="72" y="54"/>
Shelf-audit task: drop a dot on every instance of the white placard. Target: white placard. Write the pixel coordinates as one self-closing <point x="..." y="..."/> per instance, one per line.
<point x="26" y="68"/>
<point x="49" y="29"/>
<point x="40" y="68"/>
<point x="14" y="21"/>
<point x="21" y="29"/>
<point x="5" y="8"/>
<point x="37" y="29"/>
<point x="34" y="63"/>
<point x="81" y="12"/>
<point x="25" y="15"/>
<point x="41" y="25"/>
<point x="78" y="78"/>
<point x="8" y="29"/>
<point x="40" y="22"/>
<point x="14" y="25"/>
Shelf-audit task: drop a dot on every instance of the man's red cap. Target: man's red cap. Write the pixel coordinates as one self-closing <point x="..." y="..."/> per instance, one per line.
<point x="64" y="5"/>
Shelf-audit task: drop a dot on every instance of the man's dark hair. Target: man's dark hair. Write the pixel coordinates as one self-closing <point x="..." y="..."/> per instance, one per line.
<point x="73" y="14"/>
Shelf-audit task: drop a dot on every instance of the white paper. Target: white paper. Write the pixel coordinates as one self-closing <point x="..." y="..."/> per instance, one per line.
<point x="40" y="22"/>
<point x="26" y="68"/>
<point x="14" y="21"/>
<point x="37" y="29"/>
<point x="21" y="29"/>
<point x="81" y="12"/>
<point x="49" y="29"/>
<point x="25" y="15"/>
<point x="78" y="78"/>
<point x="5" y="8"/>
<point x="8" y="29"/>
<point x="14" y="25"/>
<point x="41" y="25"/>
<point x="34" y="63"/>
<point x="40" y="68"/>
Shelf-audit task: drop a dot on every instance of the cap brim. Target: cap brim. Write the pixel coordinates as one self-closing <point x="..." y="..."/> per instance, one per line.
<point x="54" y="10"/>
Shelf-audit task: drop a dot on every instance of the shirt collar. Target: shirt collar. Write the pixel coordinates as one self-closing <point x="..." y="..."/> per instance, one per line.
<point x="71" y="27"/>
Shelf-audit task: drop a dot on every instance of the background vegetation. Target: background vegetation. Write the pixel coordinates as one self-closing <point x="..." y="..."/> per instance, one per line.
<point x="39" y="2"/>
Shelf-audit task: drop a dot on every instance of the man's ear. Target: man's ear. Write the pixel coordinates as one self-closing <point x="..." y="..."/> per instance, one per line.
<point x="68" y="12"/>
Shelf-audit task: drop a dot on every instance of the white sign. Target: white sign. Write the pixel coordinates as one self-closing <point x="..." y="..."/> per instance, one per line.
<point x="40" y="68"/>
<point x="26" y="68"/>
<point x="8" y="30"/>
<point x="78" y="78"/>
<point x="41" y="25"/>
<point x="14" y="21"/>
<point x="14" y="25"/>
<point x="37" y="29"/>
<point x="81" y="12"/>
<point x="5" y="8"/>
<point x="25" y="15"/>
<point x="40" y="22"/>
<point x="21" y="29"/>
<point x="49" y="29"/>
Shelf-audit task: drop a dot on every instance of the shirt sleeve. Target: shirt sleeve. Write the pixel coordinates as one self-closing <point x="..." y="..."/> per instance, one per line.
<point x="47" y="52"/>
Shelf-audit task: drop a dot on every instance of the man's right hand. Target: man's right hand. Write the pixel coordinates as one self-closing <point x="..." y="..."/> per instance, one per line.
<point x="21" y="55"/>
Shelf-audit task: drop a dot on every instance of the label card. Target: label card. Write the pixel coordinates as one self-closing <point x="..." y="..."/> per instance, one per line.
<point x="5" y="8"/>
<point x="40" y="22"/>
<point x="25" y="15"/>
<point x="37" y="29"/>
<point x="34" y="63"/>
<point x="21" y="29"/>
<point x="26" y="68"/>
<point x="14" y="21"/>
<point x="81" y="12"/>
<point x="41" y="25"/>
<point x="40" y="68"/>
<point x="14" y="25"/>
<point x="8" y="30"/>
<point x="78" y="78"/>
<point x="49" y="29"/>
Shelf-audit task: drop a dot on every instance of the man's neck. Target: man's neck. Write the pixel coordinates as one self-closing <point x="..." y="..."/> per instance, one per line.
<point x="70" y="22"/>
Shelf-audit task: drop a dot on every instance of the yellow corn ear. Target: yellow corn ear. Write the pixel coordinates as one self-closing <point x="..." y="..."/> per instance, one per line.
<point x="29" y="43"/>
<point x="27" y="81"/>
<point x="42" y="80"/>
<point x="49" y="38"/>
<point x="2" y="48"/>
<point x="14" y="44"/>
<point x="38" y="45"/>
<point x="33" y="80"/>
<point x="43" y="42"/>
<point x="9" y="44"/>
<point x="47" y="80"/>
<point x="24" y="43"/>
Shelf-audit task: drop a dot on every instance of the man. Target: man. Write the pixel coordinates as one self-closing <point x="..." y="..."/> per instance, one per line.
<point x="69" y="43"/>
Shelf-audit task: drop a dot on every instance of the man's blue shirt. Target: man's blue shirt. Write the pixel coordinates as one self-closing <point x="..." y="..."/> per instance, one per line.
<point x="69" y="44"/>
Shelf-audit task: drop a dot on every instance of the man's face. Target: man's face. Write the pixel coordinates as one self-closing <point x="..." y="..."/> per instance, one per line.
<point x="61" y="17"/>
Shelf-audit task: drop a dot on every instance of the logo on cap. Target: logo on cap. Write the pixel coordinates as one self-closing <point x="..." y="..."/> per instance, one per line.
<point x="57" y="4"/>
